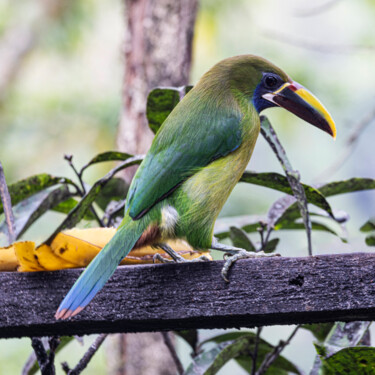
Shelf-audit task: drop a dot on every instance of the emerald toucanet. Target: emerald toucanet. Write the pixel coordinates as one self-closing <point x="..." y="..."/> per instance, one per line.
<point x="195" y="160"/>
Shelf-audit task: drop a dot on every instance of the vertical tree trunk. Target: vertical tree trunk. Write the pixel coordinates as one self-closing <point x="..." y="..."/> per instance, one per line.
<point x="158" y="52"/>
<point x="158" y="47"/>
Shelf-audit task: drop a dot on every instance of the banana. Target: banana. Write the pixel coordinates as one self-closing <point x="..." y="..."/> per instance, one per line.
<point x="8" y="259"/>
<point x="49" y="261"/>
<point x="28" y="261"/>
<point x="76" y="248"/>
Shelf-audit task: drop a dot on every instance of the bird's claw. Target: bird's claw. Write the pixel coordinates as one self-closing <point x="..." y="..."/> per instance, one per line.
<point x="231" y="258"/>
<point x="175" y="256"/>
<point x="158" y="258"/>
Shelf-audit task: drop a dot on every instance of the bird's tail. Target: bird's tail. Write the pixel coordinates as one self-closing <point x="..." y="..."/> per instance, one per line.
<point x="101" y="268"/>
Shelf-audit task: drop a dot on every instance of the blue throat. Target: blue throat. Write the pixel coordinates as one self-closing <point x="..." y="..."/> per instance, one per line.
<point x="259" y="103"/>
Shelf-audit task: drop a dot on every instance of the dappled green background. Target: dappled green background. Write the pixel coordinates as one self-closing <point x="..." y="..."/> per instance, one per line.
<point x="65" y="98"/>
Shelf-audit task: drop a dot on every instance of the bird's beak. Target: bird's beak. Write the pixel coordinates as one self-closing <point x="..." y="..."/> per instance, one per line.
<point x="296" y="99"/>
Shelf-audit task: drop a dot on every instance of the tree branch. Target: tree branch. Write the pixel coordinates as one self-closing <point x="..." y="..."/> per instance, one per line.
<point x="272" y="356"/>
<point x="322" y="288"/>
<point x="7" y="206"/>
<point x="82" y="364"/>
<point x="172" y="350"/>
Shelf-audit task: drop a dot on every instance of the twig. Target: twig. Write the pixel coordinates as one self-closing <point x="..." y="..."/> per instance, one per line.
<point x="255" y="354"/>
<point x="45" y="361"/>
<point x="30" y="362"/>
<point x="82" y="191"/>
<point x="69" y="159"/>
<point x="7" y="206"/>
<point x="317" y="10"/>
<point x="172" y="350"/>
<point x="293" y="176"/>
<point x="272" y="356"/>
<point x="260" y="229"/>
<point x="112" y="210"/>
<point x="82" y="364"/>
<point x="313" y="46"/>
<point x="76" y="213"/>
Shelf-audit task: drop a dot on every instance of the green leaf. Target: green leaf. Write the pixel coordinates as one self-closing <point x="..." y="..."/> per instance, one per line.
<point x="271" y="245"/>
<point x="228" y="336"/>
<point x="278" y="209"/>
<point x="66" y="206"/>
<point x="29" y="186"/>
<point x="319" y="330"/>
<point x="341" y="335"/>
<point x="115" y="190"/>
<point x="190" y="336"/>
<point x="161" y="102"/>
<point x="251" y="223"/>
<point x="347" y="186"/>
<point x="279" y="182"/>
<point x="370" y="240"/>
<point x="108" y="156"/>
<point x="350" y="361"/>
<point x="29" y="210"/>
<point x="240" y="239"/>
<point x="369" y="226"/>
<point x="240" y="347"/>
<point x="78" y="212"/>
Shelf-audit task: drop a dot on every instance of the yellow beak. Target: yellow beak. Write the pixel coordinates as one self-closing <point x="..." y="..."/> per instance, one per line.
<point x="296" y="99"/>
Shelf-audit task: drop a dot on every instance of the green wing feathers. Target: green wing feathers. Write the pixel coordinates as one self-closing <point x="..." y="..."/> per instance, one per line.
<point x="189" y="139"/>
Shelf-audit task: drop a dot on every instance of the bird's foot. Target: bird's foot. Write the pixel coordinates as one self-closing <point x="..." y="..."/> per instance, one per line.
<point x="176" y="257"/>
<point x="232" y="254"/>
<point x="231" y="258"/>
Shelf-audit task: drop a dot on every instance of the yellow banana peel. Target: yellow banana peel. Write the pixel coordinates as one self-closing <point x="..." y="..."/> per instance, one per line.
<point x="76" y="248"/>
<point x="27" y="259"/>
<point x="8" y="259"/>
<point x="49" y="261"/>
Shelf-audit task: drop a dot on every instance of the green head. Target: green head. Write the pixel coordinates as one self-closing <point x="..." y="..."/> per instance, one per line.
<point x="264" y="85"/>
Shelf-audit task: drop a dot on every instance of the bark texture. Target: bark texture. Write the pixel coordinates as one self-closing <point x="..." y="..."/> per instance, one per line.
<point x="267" y="291"/>
<point x="158" y="48"/>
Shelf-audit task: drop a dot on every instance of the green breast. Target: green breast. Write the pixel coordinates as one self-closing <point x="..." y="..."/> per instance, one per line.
<point x="200" y="199"/>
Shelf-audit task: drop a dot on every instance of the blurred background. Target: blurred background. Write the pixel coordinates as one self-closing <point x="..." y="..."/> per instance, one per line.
<point x="61" y="87"/>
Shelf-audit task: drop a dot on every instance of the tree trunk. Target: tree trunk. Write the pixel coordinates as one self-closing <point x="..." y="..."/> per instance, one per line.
<point x="158" y="52"/>
<point x="158" y="49"/>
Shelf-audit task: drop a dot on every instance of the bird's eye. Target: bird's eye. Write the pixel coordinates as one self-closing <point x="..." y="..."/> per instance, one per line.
<point x="270" y="81"/>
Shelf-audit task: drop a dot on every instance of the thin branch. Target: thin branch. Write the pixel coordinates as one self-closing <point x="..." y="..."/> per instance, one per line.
<point x="317" y="10"/>
<point x="69" y="159"/>
<point x="260" y="229"/>
<point x="82" y="191"/>
<point x="255" y="354"/>
<point x="172" y="350"/>
<point x="112" y="210"/>
<point x="82" y="364"/>
<point x="30" y="362"/>
<point x="7" y="207"/>
<point x="314" y="46"/>
<point x="293" y="176"/>
<point x="272" y="356"/>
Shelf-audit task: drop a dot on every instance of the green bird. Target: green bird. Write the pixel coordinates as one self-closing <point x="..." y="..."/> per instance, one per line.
<point x="195" y="160"/>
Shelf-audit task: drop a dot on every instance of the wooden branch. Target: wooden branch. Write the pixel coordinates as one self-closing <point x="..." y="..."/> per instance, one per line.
<point x="159" y="297"/>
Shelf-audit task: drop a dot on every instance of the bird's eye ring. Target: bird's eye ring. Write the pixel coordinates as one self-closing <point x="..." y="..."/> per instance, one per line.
<point x="270" y="81"/>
